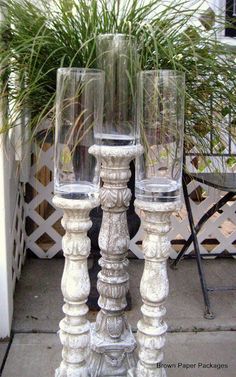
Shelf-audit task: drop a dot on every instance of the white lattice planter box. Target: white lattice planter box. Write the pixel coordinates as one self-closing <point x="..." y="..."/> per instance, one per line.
<point x="12" y="235"/>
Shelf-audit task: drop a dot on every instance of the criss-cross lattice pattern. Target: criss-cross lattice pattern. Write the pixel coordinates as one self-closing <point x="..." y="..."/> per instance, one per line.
<point x="218" y="233"/>
<point x="43" y="219"/>
<point x="18" y="236"/>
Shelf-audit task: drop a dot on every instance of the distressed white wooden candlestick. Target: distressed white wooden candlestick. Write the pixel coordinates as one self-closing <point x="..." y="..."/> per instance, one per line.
<point x="112" y="341"/>
<point x="154" y="287"/>
<point x="75" y="328"/>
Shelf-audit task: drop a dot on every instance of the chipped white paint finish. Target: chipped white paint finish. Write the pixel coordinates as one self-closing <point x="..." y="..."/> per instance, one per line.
<point x="154" y="287"/>
<point x="75" y="328"/>
<point x="112" y="341"/>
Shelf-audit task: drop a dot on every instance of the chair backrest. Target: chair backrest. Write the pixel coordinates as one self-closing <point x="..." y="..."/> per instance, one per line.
<point x="213" y="149"/>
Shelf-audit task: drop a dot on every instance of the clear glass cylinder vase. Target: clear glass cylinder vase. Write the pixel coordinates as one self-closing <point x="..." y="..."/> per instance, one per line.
<point x="116" y="55"/>
<point x="160" y="129"/>
<point x="79" y="112"/>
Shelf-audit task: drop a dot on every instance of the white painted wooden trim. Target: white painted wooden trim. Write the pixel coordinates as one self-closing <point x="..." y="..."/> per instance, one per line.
<point x="25" y="147"/>
<point x="6" y="291"/>
<point x="219" y="7"/>
<point x="21" y="139"/>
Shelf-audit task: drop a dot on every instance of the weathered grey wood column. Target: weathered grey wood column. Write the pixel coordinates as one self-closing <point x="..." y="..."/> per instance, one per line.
<point x="112" y="341"/>
<point x="75" y="328"/>
<point x="154" y="287"/>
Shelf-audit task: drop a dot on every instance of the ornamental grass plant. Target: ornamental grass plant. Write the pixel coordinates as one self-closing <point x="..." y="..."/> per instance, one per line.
<point x="38" y="39"/>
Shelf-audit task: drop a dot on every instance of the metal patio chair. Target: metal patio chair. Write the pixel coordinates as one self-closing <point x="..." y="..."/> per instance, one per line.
<point x="224" y="181"/>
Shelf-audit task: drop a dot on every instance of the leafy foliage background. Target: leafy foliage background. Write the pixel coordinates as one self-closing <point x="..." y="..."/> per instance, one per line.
<point x="38" y="39"/>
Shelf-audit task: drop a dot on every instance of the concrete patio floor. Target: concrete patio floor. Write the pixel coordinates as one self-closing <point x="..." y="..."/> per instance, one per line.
<point x="209" y="345"/>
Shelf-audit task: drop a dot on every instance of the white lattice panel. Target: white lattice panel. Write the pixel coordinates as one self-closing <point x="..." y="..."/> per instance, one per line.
<point x="221" y="228"/>
<point x="42" y="225"/>
<point x="18" y="236"/>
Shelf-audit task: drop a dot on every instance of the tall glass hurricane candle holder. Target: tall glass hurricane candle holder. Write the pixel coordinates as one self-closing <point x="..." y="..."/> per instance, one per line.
<point x="79" y="105"/>
<point x="160" y="120"/>
<point x="116" y="55"/>
<point x="79" y="110"/>
<point x="160" y="107"/>
<point x="112" y="341"/>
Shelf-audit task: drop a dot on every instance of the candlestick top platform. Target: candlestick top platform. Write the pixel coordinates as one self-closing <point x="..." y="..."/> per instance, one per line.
<point x="65" y="203"/>
<point x="168" y="206"/>
<point x="129" y="151"/>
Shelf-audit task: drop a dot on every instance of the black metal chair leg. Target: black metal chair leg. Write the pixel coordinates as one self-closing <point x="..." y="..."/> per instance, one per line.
<point x="199" y="225"/>
<point x="208" y="312"/>
<point x="180" y="255"/>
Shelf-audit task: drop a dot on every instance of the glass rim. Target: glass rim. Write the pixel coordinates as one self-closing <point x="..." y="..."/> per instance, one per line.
<point x="112" y="35"/>
<point x="169" y="72"/>
<point x="87" y="71"/>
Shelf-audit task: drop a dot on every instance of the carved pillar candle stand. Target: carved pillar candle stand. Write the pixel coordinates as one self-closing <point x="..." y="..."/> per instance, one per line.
<point x="154" y="287"/>
<point x="75" y="285"/>
<point x="158" y="183"/>
<point x="112" y="342"/>
<point x="78" y="120"/>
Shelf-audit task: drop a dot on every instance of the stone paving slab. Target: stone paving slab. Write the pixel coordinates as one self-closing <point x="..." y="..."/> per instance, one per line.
<point x="33" y="355"/>
<point x="3" y="349"/>
<point x="38" y="298"/>
<point x="204" y="354"/>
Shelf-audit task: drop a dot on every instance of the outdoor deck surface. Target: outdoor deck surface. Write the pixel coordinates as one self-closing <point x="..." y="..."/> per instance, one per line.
<point x="35" y="350"/>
